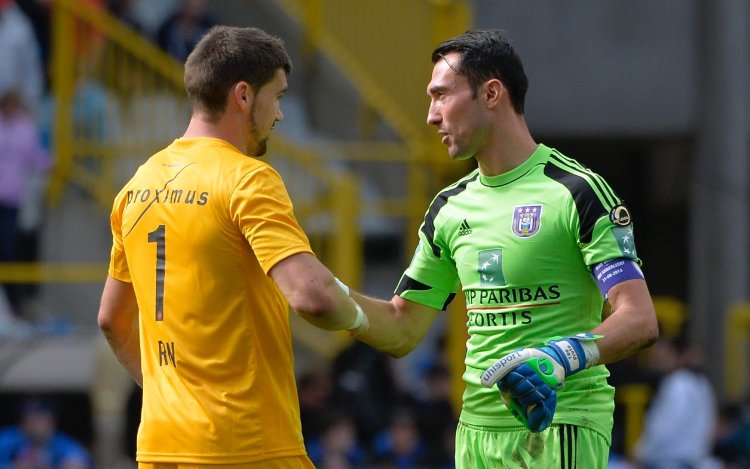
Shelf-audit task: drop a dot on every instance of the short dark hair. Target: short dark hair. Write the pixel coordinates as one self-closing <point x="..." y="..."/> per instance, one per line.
<point x="486" y="55"/>
<point x="226" y="55"/>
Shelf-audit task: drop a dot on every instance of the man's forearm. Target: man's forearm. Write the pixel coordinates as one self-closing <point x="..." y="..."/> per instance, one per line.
<point x="128" y="352"/>
<point x="632" y="325"/>
<point x="391" y="329"/>
<point x="118" y="320"/>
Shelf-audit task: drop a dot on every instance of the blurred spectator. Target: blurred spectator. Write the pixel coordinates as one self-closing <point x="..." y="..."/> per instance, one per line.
<point x="364" y="380"/>
<point x="37" y="444"/>
<point x="124" y="10"/>
<point x="10" y="325"/>
<point x="181" y="31"/>
<point x="314" y="389"/>
<point x="336" y="447"/>
<point x="23" y="170"/>
<point x="21" y="68"/>
<point x="732" y="440"/>
<point x="679" y="425"/>
<point x="39" y="13"/>
<point x="133" y="407"/>
<point x="430" y="356"/>
<point x="401" y="445"/>
<point x="436" y="417"/>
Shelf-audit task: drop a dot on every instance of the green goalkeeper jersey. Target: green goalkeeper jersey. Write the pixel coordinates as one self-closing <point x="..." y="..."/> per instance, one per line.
<point x="522" y="246"/>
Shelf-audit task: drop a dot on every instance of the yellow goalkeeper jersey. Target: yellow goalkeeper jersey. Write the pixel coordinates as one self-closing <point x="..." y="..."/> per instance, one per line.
<point x="196" y="231"/>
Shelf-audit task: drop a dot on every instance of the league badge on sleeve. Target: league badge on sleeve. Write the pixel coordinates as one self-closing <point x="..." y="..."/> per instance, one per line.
<point x="620" y="215"/>
<point x="526" y="220"/>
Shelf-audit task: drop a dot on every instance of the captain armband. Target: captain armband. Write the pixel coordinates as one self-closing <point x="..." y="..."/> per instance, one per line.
<point x="609" y="273"/>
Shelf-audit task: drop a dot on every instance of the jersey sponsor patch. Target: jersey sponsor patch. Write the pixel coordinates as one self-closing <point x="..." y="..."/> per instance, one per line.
<point x="620" y="215"/>
<point x="490" y="268"/>
<point x="527" y="220"/>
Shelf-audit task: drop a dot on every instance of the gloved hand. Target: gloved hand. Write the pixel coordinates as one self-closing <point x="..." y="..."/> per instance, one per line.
<point x="527" y="378"/>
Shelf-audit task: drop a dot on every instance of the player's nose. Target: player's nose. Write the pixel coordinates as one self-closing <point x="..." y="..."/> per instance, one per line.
<point x="433" y="117"/>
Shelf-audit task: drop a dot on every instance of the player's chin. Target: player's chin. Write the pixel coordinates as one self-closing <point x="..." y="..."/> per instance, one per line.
<point x="260" y="150"/>
<point x="459" y="156"/>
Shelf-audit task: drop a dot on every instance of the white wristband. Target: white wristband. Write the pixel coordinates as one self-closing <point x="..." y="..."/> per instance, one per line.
<point x="342" y="285"/>
<point x="358" y="320"/>
<point x="591" y="350"/>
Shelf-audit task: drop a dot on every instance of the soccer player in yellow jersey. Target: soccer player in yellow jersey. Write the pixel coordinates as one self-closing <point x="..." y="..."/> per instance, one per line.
<point x="207" y="258"/>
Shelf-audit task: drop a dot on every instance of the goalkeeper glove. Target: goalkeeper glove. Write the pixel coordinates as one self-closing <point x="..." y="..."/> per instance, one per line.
<point x="527" y="378"/>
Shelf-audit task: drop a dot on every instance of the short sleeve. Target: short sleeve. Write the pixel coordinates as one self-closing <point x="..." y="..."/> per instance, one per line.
<point x="431" y="278"/>
<point x="613" y="237"/>
<point x="260" y="206"/>
<point x="118" y="263"/>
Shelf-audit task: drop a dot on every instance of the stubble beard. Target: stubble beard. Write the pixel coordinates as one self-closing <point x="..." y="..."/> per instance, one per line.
<point x="262" y="148"/>
<point x="261" y="144"/>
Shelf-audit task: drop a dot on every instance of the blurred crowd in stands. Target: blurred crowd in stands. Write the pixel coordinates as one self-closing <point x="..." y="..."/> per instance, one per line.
<point x="358" y="413"/>
<point x="355" y="412"/>
<point x="27" y="116"/>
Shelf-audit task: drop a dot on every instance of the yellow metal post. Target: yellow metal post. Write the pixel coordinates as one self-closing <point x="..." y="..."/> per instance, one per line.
<point x="450" y="18"/>
<point x="63" y="88"/>
<point x="736" y="349"/>
<point x="634" y="399"/>
<point x="346" y="240"/>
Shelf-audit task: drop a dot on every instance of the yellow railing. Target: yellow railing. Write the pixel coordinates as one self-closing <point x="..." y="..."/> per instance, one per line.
<point x="36" y="272"/>
<point x="118" y="99"/>
<point x="383" y="48"/>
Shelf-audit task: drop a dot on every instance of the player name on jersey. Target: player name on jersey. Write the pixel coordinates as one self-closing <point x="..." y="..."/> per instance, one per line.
<point x="167" y="196"/>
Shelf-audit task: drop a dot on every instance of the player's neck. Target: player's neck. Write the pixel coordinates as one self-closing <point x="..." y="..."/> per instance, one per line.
<point x="509" y="147"/>
<point x="201" y="127"/>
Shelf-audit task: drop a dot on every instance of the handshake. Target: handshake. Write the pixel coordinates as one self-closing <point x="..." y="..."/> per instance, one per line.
<point x="527" y="378"/>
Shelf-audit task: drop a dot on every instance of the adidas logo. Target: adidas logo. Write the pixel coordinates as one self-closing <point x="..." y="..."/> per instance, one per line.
<point x="464" y="229"/>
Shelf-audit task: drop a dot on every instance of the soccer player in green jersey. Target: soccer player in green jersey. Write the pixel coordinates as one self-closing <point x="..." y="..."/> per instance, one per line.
<point x="538" y="243"/>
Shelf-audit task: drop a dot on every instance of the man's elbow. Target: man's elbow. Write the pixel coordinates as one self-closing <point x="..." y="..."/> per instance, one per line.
<point x="652" y="334"/>
<point x="649" y="331"/>
<point x="399" y="346"/>
<point x="400" y="352"/>
<point x="313" y="305"/>
<point x="104" y="322"/>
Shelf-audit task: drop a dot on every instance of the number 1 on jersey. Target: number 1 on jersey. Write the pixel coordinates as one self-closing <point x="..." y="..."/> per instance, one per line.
<point x="158" y="236"/>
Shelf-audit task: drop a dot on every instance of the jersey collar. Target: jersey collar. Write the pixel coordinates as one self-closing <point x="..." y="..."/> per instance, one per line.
<point x="537" y="157"/>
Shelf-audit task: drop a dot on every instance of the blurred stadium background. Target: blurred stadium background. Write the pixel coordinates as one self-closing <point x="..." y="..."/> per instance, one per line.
<point x="652" y="95"/>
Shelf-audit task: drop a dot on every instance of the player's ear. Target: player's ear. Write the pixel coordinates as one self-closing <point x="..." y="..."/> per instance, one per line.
<point x="491" y="92"/>
<point x="242" y="94"/>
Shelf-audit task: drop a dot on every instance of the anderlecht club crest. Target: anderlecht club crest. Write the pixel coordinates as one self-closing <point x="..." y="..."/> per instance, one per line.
<point x="526" y="220"/>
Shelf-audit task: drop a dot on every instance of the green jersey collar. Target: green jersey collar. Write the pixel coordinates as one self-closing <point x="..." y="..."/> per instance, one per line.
<point x="539" y="155"/>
